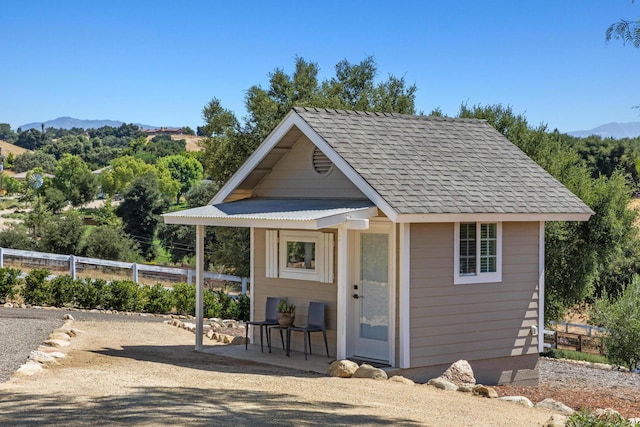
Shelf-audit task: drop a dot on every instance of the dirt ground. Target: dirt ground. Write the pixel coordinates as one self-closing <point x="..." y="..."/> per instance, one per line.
<point x="118" y="373"/>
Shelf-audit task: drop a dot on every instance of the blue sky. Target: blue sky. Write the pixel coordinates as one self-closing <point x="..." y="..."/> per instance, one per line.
<point x="159" y="62"/>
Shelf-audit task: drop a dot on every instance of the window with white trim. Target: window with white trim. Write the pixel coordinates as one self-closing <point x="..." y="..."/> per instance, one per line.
<point x="301" y="255"/>
<point x="477" y="252"/>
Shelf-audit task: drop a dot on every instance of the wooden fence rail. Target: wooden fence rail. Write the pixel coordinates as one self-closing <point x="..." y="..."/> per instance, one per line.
<point x="585" y="343"/>
<point x="75" y="264"/>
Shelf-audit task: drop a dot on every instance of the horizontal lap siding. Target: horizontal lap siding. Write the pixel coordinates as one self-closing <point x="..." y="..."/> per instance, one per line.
<point x="294" y="176"/>
<point x="474" y="321"/>
<point x="299" y="292"/>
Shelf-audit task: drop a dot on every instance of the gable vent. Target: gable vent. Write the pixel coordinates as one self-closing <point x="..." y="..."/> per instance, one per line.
<point x="321" y="163"/>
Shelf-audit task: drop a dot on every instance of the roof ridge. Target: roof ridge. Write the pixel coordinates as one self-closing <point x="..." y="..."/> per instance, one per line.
<point x="383" y="114"/>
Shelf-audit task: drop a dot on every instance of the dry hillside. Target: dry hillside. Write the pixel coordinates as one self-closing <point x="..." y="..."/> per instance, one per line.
<point x="10" y="148"/>
<point x="193" y="142"/>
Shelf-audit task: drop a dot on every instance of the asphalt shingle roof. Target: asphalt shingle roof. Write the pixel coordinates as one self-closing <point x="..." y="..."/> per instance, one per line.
<point x="422" y="165"/>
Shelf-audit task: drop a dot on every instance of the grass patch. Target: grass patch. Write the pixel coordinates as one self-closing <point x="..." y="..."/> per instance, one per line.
<point x="576" y="355"/>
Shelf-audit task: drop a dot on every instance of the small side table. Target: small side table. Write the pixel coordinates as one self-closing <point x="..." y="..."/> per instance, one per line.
<point x="287" y="342"/>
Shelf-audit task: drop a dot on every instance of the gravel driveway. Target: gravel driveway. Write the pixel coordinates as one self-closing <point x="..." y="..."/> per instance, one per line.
<point x="23" y="330"/>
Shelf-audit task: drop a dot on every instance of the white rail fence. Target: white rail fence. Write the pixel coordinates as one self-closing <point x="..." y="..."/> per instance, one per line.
<point x="79" y="267"/>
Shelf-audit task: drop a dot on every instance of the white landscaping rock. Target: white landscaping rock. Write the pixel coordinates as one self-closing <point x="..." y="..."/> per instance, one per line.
<point x="401" y="379"/>
<point x="28" y="369"/>
<point x="42" y="357"/>
<point x="518" y="399"/>
<point x="59" y="336"/>
<point x="442" y="384"/>
<point x="68" y="317"/>
<point x="342" y="368"/>
<point x="368" y="371"/>
<point x="57" y="343"/>
<point x="460" y="373"/>
<point x="555" y="406"/>
<point x="557" y="420"/>
<point x="485" y="391"/>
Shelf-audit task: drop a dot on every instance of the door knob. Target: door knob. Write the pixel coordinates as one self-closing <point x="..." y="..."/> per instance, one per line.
<point x="356" y="296"/>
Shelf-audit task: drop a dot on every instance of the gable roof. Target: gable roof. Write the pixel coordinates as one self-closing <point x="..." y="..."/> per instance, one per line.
<point x="432" y="165"/>
<point x="416" y="168"/>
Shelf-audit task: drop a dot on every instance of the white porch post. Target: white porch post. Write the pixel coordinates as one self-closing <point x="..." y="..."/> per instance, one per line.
<point x="343" y="293"/>
<point x="404" y="296"/>
<point x="199" y="285"/>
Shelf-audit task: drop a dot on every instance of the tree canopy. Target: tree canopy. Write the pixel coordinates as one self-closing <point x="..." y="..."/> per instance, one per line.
<point x="626" y="30"/>
<point x="354" y="86"/>
<point x="75" y="180"/>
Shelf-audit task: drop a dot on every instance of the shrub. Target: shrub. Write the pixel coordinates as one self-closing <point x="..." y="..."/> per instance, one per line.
<point x="37" y="290"/>
<point x="62" y="234"/>
<point x="16" y="237"/>
<point x="93" y="293"/>
<point x="212" y="304"/>
<point x="126" y="295"/>
<point x="109" y="242"/>
<point x="243" y="304"/>
<point x="621" y="318"/>
<point x="185" y="298"/>
<point x="65" y="291"/>
<point x="584" y="418"/>
<point x="9" y="281"/>
<point x="575" y="355"/>
<point x="159" y="300"/>
<point x="229" y="309"/>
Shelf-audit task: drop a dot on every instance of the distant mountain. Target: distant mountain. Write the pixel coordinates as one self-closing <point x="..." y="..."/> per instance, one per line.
<point x="611" y="130"/>
<point x="70" y="122"/>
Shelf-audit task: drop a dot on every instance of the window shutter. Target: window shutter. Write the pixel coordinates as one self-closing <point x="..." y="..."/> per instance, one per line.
<point x="271" y="253"/>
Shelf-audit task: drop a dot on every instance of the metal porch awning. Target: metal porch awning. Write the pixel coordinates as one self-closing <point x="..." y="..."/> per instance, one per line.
<point x="308" y="214"/>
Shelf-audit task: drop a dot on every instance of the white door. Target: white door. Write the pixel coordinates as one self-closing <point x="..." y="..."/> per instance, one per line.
<point x="370" y="295"/>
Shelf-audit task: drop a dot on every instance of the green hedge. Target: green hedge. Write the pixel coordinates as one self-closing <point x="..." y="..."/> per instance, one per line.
<point x="119" y="295"/>
<point x="9" y="282"/>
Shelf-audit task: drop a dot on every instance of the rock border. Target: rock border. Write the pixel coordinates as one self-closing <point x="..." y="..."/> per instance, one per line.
<point x="348" y="369"/>
<point x="212" y="330"/>
<point x="51" y="349"/>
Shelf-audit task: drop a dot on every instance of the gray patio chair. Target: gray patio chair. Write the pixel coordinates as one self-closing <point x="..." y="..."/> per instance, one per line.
<point x="270" y="319"/>
<point x="315" y="323"/>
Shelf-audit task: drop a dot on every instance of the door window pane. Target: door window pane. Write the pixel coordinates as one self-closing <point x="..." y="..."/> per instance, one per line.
<point x="374" y="274"/>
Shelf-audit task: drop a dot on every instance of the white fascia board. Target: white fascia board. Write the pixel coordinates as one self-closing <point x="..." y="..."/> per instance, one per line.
<point x="332" y="221"/>
<point x="255" y="158"/>
<point x="344" y="167"/>
<point x="492" y="217"/>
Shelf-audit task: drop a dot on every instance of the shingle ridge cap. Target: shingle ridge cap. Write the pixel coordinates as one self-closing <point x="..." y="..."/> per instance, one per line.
<point x="385" y="114"/>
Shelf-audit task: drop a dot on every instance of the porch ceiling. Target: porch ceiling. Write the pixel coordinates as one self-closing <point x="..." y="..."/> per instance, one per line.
<point x="309" y="214"/>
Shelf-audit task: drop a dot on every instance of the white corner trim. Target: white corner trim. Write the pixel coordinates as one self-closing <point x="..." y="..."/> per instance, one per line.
<point x="541" y="269"/>
<point x="404" y="295"/>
